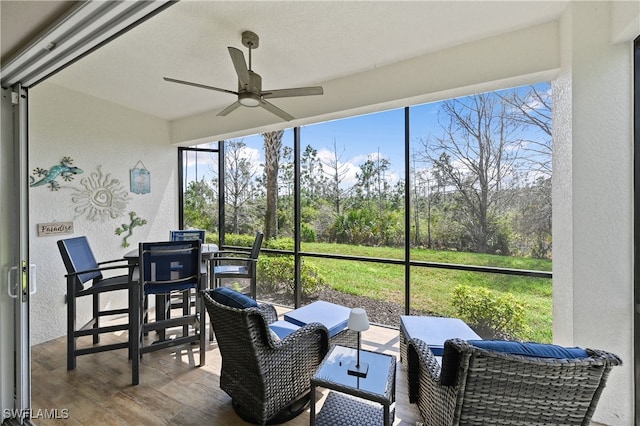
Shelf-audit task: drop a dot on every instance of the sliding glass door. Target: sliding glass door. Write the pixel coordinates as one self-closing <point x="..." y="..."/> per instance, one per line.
<point x="636" y="82"/>
<point x="18" y="282"/>
<point x="81" y="29"/>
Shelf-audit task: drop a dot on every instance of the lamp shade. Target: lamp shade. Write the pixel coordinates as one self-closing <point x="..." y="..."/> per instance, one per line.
<point x="358" y="320"/>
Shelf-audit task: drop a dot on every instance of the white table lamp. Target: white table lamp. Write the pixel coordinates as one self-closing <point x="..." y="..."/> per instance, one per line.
<point x="358" y="321"/>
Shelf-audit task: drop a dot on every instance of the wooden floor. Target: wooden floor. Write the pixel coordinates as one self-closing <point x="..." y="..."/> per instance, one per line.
<point x="172" y="391"/>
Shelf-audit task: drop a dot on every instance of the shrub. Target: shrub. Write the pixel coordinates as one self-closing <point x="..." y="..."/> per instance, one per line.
<point x="239" y="240"/>
<point x="369" y="227"/>
<point x="490" y="314"/>
<point x="354" y="227"/>
<point x="277" y="272"/>
<point x="279" y="244"/>
<point x="312" y="279"/>
<point x="308" y="233"/>
<point x="272" y="272"/>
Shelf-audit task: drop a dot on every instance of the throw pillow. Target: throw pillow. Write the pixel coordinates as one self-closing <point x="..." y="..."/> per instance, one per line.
<point x="229" y="297"/>
<point x="540" y="350"/>
<point x="451" y="357"/>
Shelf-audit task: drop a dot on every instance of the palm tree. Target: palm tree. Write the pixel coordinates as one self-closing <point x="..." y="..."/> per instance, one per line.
<point x="272" y="147"/>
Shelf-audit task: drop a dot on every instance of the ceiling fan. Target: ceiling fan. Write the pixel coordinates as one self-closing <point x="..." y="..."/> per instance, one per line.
<point x="250" y="91"/>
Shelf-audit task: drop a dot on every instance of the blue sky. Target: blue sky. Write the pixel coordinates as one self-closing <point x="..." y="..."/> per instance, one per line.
<point x="356" y="138"/>
<point x="361" y="137"/>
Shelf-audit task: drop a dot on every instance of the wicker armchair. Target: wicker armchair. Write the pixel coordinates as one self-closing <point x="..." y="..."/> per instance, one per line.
<point x="489" y="387"/>
<point x="269" y="380"/>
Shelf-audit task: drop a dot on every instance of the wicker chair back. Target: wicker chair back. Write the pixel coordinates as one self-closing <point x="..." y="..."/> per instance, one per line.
<point x="498" y="388"/>
<point x="265" y="377"/>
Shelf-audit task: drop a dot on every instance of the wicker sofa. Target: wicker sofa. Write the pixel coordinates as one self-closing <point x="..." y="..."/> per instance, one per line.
<point x="268" y="379"/>
<point x="477" y="386"/>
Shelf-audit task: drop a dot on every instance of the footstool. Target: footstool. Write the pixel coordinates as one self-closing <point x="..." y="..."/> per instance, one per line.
<point x="433" y="331"/>
<point x="331" y="315"/>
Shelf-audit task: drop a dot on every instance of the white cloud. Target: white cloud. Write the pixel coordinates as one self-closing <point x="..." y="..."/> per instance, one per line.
<point x="250" y="154"/>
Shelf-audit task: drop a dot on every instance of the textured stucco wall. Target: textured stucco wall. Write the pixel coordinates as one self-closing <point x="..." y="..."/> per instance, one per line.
<point x="592" y="200"/>
<point x="94" y="133"/>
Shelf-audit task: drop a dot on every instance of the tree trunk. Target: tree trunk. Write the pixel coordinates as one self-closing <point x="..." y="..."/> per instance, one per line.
<point x="272" y="146"/>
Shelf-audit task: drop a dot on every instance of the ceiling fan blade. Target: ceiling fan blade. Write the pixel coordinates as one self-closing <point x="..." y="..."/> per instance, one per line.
<point x="275" y="110"/>
<point x="202" y="86"/>
<point x="241" y="66"/>
<point x="298" y="91"/>
<point x="228" y="109"/>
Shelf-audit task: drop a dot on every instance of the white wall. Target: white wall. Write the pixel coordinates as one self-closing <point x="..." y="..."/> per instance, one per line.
<point x="94" y="133"/>
<point x="593" y="198"/>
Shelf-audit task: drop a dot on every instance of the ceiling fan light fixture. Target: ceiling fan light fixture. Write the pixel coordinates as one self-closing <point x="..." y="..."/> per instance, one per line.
<point x="250" y="92"/>
<point x="249" y="99"/>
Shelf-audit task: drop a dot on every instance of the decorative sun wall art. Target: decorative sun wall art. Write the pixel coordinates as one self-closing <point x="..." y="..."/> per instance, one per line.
<point x="48" y="177"/>
<point x="135" y="221"/>
<point x="101" y="199"/>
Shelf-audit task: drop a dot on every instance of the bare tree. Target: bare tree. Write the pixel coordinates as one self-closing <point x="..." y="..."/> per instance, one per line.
<point x="416" y="199"/>
<point x="476" y="154"/>
<point x="239" y="173"/>
<point x="421" y="199"/>
<point x="336" y="171"/>
<point x="272" y="148"/>
<point x="533" y="110"/>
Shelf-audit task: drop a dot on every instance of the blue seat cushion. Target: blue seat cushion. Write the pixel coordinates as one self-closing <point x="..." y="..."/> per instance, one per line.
<point x="229" y="297"/>
<point x="283" y="328"/>
<point x="230" y="269"/>
<point x="334" y="317"/>
<point x="167" y="288"/>
<point x="451" y="357"/>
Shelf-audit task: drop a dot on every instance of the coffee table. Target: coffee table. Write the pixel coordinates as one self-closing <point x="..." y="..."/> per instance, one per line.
<point x="371" y="398"/>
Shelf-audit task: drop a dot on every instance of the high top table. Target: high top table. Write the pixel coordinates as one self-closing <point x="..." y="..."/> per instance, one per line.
<point x="207" y="251"/>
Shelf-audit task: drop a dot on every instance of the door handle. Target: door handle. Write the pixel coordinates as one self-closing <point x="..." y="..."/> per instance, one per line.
<point x="32" y="281"/>
<point x="9" y="273"/>
<point x="32" y="278"/>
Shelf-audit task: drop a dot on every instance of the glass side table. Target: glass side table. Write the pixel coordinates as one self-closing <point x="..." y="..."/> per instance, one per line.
<point x="371" y="398"/>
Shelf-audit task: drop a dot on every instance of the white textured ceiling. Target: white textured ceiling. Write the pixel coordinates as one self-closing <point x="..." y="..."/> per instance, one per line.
<point x="301" y="43"/>
<point x="21" y="21"/>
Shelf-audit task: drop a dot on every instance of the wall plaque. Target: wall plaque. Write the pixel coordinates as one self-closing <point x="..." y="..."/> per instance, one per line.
<point x="140" y="179"/>
<point x="55" y="228"/>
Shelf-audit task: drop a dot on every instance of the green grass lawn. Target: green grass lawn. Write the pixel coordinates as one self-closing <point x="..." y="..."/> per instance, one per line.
<point x="432" y="289"/>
